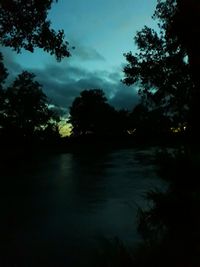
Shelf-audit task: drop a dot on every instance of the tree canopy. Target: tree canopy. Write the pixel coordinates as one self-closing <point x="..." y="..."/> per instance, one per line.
<point x="161" y="68"/>
<point x="26" y="110"/>
<point x="24" y="24"/>
<point x="90" y="113"/>
<point x="180" y="19"/>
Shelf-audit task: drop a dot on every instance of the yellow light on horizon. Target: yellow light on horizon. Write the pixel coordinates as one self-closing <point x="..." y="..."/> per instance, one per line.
<point x="65" y="129"/>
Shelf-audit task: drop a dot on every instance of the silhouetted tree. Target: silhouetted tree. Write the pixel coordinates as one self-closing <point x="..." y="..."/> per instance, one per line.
<point x="90" y="113"/>
<point x="121" y="122"/>
<point x="3" y="72"/>
<point x="26" y="107"/>
<point x="148" y="123"/>
<point x="3" y="76"/>
<point x="24" y="24"/>
<point x="50" y="135"/>
<point x="180" y="20"/>
<point x="161" y="70"/>
<point x="139" y="118"/>
<point x="170" y="227"/>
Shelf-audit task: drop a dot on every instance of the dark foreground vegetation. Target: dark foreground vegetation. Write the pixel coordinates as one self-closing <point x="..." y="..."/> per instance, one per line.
<point x="170" y="227"/>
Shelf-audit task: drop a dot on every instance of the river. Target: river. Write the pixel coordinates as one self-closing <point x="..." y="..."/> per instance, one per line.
<point x="55" y="209"/>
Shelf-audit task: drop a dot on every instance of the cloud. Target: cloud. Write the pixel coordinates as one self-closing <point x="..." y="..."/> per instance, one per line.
<point x="64" y="81"/>
<point x="9" y="59"/>
<point x="83" y="53"/>
<point x="87" y="54"/>
<point x="125" y="97"/>
<point x="62" y="90"/>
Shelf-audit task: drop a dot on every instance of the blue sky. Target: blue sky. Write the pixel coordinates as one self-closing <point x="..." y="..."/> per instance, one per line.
<point x="101" y="31"/>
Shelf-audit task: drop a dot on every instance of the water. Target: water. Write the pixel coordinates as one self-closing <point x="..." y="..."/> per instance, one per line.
<point x="55" y="209"/>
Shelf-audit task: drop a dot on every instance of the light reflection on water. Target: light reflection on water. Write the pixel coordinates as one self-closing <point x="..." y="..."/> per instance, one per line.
<point x="58" y="206"/>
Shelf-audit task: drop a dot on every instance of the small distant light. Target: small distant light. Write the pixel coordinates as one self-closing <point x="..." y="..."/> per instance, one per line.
<point x="131" y="131"/>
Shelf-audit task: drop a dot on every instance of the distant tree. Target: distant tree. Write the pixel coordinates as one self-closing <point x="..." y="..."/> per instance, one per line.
<point x="139" y="118"/>
<point x="121" y="123"/>
<point x="24" y="24"/>
<point x="161" y="69"/>
<point x="90" y="113"/>
<point x="26" y="107"/>
<point x="50" y="133"/>
<point x="149" y="123"/>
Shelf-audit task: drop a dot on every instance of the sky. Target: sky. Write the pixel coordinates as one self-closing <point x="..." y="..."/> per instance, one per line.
<point x="101" y="32"/>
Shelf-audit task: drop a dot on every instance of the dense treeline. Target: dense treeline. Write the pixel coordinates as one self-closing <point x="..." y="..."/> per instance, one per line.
<point x="91" y="114"/>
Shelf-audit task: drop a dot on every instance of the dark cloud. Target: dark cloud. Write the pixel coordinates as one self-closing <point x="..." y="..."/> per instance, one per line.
<point x="62" y="82"/>
<point x="85" y="53"/>
<point x="63" y="112"/>
<point x="62" y="92"/>
<point x="10" y="63"/>
<point x="125" y="97"/>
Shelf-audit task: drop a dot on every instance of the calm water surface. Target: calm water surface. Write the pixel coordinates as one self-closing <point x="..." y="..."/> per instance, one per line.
<point x="55" y="209"/>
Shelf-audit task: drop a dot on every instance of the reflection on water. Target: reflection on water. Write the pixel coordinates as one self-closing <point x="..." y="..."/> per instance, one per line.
<point x="55" y="208"/>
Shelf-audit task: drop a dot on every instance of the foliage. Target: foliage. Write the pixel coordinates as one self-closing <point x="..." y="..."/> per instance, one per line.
<point x="26" y="106"/>
<point x="90" y="113"/>
<point x="24" y="24"/>
<point x="170" y="227"/>
<point x="148" y="123"/>
<point x="121" y="122"/>
<point x="161" y="69"/>
<point x="180" y="19"/>
<point x="3" y="71"/>
<point x="3" y="76"/>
